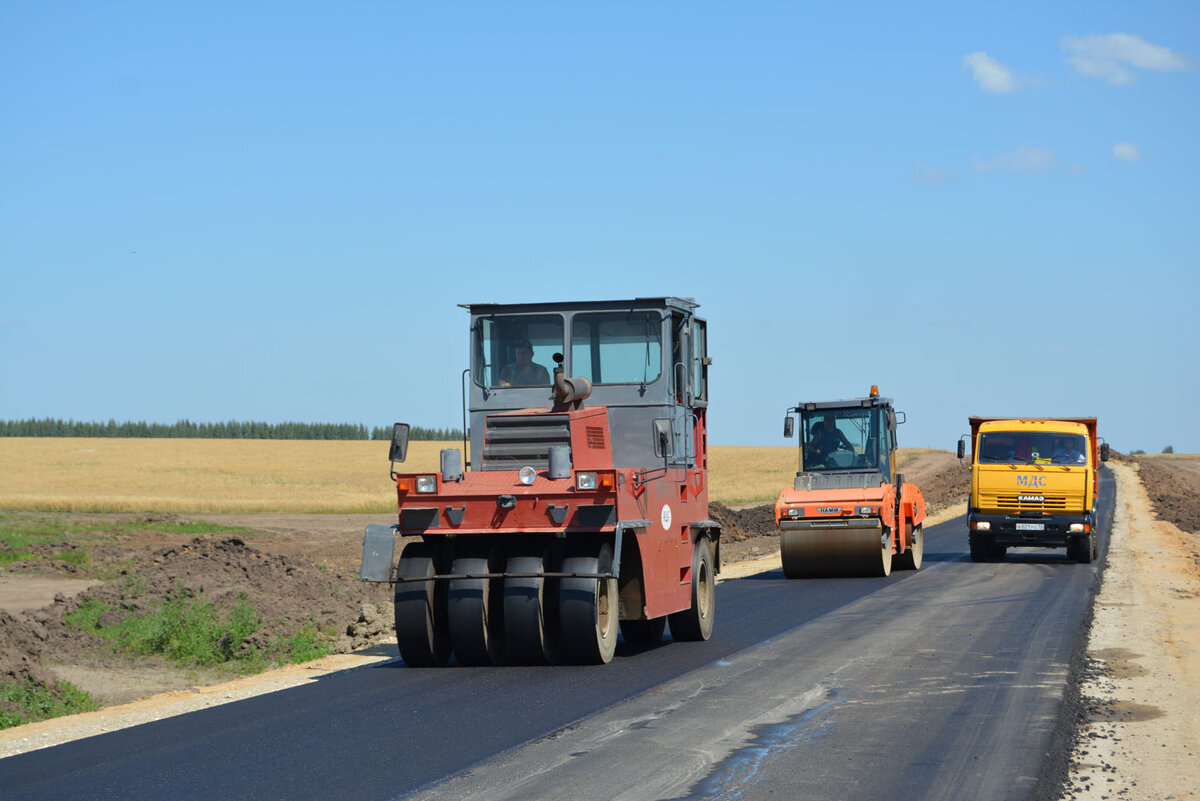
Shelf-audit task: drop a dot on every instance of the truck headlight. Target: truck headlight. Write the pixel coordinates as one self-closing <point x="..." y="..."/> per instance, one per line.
<point x="426" y="484"/>
<point x="1077" y="528"/>
<point x="982" y="525"/>
<point x="585" y="481"/>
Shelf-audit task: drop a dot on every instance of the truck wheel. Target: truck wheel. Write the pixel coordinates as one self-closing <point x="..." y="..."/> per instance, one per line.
<point x="588" y="609"/>
<point x="996" y="552"/>
<point x="476" y="610"/>
<point x="1085" y="548"/>
<point x="696" y="623"/>
<point x="979" y="549"/>
<point x="421" y="631"/>
<point x="531" y="610"/>
<point x="1073" y="549"/>
<point x="911" y="558"/>
<point x="645" y="632"/>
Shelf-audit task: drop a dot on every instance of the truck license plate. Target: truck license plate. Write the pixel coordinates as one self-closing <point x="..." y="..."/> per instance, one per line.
<point x="1031" y="526"/>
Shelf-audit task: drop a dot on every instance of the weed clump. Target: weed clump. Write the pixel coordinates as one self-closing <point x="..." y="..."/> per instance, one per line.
<point x="187" y="630"/>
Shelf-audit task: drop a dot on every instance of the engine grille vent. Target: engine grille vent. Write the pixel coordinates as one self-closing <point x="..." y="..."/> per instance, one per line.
<point x="595" y="437"/>
<point x="511" y="442"/>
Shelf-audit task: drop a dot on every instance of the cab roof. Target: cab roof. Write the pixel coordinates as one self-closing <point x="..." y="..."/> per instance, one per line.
<point x="685" y="304"/>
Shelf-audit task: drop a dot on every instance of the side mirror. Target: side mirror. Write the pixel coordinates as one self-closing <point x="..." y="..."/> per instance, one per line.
<point x="399" y="447"/>
<point x="1104" y="451"/>
<point x="789" y="426"/>
<point x="962" y="449"/>
<point x="891" y="420"/>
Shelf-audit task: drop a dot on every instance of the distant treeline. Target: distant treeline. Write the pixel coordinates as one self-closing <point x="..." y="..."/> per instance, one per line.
<point x="233" y="429"/>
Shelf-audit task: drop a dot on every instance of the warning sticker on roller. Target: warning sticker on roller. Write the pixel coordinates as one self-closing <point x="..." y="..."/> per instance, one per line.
<point x="666" y="517"/>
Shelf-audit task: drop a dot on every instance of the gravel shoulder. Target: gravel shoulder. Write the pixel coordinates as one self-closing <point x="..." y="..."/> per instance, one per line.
<point x="1139" y="727"/>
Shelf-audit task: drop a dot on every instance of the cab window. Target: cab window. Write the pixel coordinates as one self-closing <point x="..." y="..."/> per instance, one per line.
<point x="617" y="348"/>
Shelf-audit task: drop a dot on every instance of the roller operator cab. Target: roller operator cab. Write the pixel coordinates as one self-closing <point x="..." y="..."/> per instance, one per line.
<point x="1033" y="483"/>
<point x="584" y="506"/>
<point x="849" y="512"/>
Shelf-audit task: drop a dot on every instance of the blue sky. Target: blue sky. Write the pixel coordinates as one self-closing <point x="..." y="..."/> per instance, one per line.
<point x="269" y="211"/>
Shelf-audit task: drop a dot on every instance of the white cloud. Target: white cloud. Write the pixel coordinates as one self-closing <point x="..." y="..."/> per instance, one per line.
<point x="990" y="74"/>
<point x="1111" y="56"/>
<point x="1126" y="151"/>
<point x="1023" y="159"/>
<point x="926" y="174"/>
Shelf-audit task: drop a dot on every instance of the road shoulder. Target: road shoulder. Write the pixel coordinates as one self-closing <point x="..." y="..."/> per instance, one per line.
<point x="1139" y="734"/>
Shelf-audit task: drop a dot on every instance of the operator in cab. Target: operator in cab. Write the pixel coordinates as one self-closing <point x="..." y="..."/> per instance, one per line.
<point x="825" y="438"/>
<point x="1066" y="451"/>
<point x="524" y="372"/>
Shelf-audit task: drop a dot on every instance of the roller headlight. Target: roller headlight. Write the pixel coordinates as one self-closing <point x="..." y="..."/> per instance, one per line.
<point x="526" y="475"/>
<point x="585" y="481"/>
<point x="426" y="484"/>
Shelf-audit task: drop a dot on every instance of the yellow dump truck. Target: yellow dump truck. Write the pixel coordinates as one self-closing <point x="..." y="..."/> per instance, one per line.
<point x="1033" y="484"/>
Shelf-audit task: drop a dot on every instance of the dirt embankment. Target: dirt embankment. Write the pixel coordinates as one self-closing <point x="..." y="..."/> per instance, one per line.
<point x="289" y="594"/>
<point x="1173" y="485"/>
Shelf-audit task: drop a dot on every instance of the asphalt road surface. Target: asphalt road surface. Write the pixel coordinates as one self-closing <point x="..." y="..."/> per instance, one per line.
<point x="946" y="683"/>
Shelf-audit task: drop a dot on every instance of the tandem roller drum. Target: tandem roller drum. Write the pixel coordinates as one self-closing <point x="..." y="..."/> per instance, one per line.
<point x="835" y="551"/>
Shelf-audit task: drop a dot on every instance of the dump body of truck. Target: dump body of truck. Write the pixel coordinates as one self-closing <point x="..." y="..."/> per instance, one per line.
<point x="586" y="510"/>
<point x="848" y="513"/>
<point x="1033" y="483"/>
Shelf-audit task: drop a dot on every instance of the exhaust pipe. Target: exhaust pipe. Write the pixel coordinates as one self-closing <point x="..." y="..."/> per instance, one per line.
<point x="568" y="391"/>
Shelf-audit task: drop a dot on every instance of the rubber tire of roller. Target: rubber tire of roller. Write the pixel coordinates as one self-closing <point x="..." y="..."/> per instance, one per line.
<point x="588" y="609"/>
<point x="696" y="622"/>
<point x="422" y="634"/>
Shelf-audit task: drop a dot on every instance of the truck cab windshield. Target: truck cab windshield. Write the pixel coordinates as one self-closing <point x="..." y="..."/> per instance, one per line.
<point x="1032" y="447"/>
<point x="842" y="439"/>
<point x="604" y="347"/>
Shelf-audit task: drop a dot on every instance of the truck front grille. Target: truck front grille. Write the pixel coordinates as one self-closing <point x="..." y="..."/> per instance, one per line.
<point x="511" y="442"/>
<point x="1023" y="502"/>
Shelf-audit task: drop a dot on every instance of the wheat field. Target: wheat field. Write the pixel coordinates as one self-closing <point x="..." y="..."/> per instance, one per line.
<point x="299" y="476"/>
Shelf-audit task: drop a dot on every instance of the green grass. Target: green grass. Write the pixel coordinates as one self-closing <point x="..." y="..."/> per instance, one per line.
<point x="190" y="528"/>
<point x="185" y="629"/>
<point x="188" y="632"/>
<point x="20" y="531"/>
<point x="25" y="701"/>
<point x="304" y="645"/>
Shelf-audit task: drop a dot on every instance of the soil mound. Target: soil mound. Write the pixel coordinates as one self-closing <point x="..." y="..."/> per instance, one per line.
<point x="289" y="595"/>
<point x="738" y="525"/>
<point x="1174" y="489"/>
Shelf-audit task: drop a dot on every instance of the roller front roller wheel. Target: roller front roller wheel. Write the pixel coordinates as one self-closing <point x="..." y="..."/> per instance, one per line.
<point x="696" y="622"/>
<point x="531" y="611"/>
<point x="828" y="553"/>
<point x="422" y="633"/>
<point x="476" y="610"/>
<point x="588" y="609"/>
